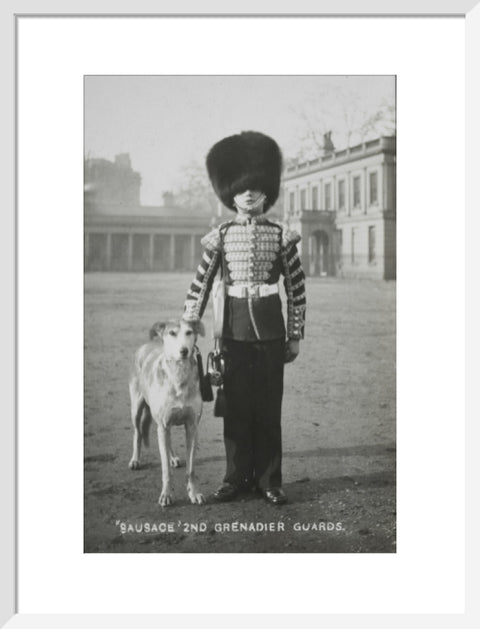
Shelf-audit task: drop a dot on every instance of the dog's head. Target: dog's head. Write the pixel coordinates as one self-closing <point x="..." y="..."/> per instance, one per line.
<point x="178" y="336"/>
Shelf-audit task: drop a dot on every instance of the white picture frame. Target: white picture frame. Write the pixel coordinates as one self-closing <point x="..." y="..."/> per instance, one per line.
<point x="12" y="13"/>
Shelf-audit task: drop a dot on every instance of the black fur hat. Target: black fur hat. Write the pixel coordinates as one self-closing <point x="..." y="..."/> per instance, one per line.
<point x="246" y="161"/>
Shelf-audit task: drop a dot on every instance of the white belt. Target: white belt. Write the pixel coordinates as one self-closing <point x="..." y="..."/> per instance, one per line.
<point x="257" y="290"/>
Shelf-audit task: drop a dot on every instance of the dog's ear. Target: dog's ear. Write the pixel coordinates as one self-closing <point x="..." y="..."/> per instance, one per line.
<point x="199" y="328"/>
<point x="157" y="330"/>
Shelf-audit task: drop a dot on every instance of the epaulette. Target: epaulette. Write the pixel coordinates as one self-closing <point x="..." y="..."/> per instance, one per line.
<point x="213" y="239"/>
<point x="289" y="237"/>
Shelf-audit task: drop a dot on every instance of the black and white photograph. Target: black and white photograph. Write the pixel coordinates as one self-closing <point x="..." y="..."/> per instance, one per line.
<point x="240" y="314"/>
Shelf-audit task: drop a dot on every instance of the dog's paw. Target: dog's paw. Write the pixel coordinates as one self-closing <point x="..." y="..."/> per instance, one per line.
<point x="166" y="498"/>
<point x="134" y="464"/>
<point x="196" y="498"/>
<point x="175" y="461"/>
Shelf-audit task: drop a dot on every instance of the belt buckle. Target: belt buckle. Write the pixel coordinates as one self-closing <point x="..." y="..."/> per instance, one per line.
<point x="252" y="291"/>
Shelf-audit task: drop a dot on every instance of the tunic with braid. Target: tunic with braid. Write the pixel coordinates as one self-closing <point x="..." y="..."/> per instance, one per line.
<point x="256" y="252"/>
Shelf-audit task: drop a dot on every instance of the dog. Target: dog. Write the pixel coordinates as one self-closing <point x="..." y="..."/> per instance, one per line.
<point x="164" y="386"/>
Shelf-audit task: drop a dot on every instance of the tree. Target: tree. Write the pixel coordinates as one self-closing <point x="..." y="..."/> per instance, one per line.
<point x="380" y="122"/>
<point x="347" y="114"/>
<point x="194" y="191"/>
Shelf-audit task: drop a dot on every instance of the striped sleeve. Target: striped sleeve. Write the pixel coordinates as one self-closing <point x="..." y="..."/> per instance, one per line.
<point x="294" y="283"/>
<point x="199" y="291"/>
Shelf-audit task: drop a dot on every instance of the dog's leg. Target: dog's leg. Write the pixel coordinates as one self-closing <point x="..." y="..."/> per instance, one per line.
<point x="137" y="409"/>
<point x="173" y="458"/>
<point x="191" y="437"/>
<point x="166" y="497"/>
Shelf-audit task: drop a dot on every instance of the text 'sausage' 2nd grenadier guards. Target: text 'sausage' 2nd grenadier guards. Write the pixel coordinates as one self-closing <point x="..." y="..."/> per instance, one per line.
<point x="254" y="253"/>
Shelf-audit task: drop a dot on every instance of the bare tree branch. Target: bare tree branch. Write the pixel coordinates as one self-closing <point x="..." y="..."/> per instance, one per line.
<point x="194" y="191"/>
<point x="344" y="112"/>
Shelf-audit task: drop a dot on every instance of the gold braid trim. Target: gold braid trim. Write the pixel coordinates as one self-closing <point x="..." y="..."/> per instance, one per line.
<point x="193" y="310"/>
<point x="290" y="237"/>
<point x="289" y="291"/>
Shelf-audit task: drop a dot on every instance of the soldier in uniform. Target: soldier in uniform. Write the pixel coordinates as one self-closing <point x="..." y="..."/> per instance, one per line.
<point x="252" y="252"/>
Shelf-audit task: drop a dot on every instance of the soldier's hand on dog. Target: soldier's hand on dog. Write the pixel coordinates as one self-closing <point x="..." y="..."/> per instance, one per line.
<point x="292" y="350"/>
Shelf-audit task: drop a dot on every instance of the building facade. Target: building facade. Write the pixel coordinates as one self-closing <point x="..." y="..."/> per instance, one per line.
<point x="122" y="235"/>
<point x="344" y="206"/>
<point x="111" y="182"/>
<point x="142" y="239"/>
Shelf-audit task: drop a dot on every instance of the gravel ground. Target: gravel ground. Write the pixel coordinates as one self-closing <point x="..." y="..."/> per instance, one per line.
<point x="338" y="430"/>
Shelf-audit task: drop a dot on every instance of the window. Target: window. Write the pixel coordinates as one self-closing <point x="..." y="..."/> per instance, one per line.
<point x="373" y="185"/>
<point x="328" y="196"/>
<point x="341" y="195"/>
<point x="315" y="198"/>
<point x="292" y="201"/>
<point x="352" y="249"/>
<point x="356" y="192"/>
<point x="303" y="199"/>
<point x="371" y="243"/>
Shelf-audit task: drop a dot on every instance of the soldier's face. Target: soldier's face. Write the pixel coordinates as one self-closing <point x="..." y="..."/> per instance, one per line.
<point x="250" y="202"/>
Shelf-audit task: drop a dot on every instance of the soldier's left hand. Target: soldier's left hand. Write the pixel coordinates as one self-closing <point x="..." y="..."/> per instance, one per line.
<point x="292" y="350"/>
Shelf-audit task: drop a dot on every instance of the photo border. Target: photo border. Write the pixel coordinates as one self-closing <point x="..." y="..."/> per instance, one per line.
<point x="14" y="11"/>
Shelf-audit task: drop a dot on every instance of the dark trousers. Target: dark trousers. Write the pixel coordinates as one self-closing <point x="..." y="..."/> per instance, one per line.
<point x="253" y="385"/>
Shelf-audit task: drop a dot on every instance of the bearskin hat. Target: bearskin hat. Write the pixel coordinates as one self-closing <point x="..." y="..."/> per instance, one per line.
<point x="247" y="161"/>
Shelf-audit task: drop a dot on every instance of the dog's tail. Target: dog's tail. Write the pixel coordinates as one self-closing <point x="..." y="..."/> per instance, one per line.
<point x="145" y="422"/>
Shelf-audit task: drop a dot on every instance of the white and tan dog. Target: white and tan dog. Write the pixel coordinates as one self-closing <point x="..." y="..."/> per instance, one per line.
<point x="164" y="385"/>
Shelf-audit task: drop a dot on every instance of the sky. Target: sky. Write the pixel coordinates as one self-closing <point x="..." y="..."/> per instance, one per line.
<point x="166" y="122"/>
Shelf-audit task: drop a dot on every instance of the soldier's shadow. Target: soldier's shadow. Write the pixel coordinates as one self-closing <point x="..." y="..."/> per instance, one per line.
<point x="367" y="450"/>
<point x="310" y="487"/>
